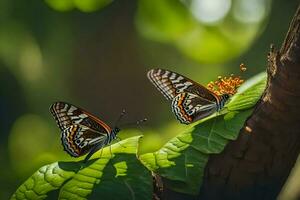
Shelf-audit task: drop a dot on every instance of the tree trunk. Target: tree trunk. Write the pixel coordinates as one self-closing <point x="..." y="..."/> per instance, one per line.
<point x="257" y="164"/>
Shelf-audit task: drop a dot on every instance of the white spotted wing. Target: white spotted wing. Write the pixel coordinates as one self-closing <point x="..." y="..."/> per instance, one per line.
<point x="190" y="100"/>
<point x="81" y="131"/>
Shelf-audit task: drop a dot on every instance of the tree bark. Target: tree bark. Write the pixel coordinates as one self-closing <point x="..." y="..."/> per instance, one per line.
<point x="257" y="164"/>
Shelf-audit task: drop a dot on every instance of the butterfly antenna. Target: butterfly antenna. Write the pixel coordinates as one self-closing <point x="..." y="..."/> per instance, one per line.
<point x="120" y="117"/>
<point x="138" y="123"/>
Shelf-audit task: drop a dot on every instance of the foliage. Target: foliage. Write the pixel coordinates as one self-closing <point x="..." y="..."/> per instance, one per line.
<point x="84" y="6"/>
<point x="231" y="31"/>
<point x="116" y="173"/>
<point x="181" y="24"/>
<point x="182" y="160"/>
<point x="77" y="180"/>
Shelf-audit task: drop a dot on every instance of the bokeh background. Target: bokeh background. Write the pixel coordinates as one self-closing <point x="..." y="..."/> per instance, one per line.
<point x="95" y="54"/>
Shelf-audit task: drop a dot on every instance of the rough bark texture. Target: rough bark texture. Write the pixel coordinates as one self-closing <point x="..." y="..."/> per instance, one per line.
<point x="257" y="164"/>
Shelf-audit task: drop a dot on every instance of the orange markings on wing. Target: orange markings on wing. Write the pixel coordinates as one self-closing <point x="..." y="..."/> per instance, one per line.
<point x="182" y="109"/>
<point x="74" y="147"/>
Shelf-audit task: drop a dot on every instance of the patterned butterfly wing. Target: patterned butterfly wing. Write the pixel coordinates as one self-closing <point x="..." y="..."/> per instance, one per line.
<point x="81" y="131"/>
<point x="190" y="100"/>
<point x="170" y="84"/>
<point x="78" y="140"/>
<point x="189" y="107"/>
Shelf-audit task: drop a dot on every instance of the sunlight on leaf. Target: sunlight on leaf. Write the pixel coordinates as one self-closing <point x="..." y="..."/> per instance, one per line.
<point x="60" y="5"/>
<point x="248" y="93"/>
<point x="46" y="179"/>
<point x="84" y="6"/>
<point x="163" y="21"/>
<point x="117" y="168"/>
<point x="202" y="30"/>
<point x="91" y="5"/>
<point x="182" y="160"/>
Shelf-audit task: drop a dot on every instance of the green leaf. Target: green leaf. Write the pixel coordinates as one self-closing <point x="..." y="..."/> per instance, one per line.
<point x="182" y="160"/>
<point x="117" y="174"/>
<point x="165" y="21"/>
<point x="84" y="6"/>
<point x="60" y="5"/>
<point x="180" y="23"/>
<point x="46" y="179"/>
<point x="91" y="5"/>
<point x="249" y="93"/>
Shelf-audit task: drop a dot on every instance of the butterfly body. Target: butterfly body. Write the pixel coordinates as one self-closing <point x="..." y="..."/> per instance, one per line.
<point x="82" y="132"/>
<point x="190" y="101"/>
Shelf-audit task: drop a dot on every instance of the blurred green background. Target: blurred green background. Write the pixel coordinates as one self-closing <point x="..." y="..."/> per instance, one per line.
<point x="95" y="54"/>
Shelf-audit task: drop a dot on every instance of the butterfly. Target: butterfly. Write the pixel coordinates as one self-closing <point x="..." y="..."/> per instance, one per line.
<point x="81" y="132"/>
<point x="190" y="101"/>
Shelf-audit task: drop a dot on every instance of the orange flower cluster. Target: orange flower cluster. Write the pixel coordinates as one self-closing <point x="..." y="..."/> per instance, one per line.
<point x="225" y="85"/>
